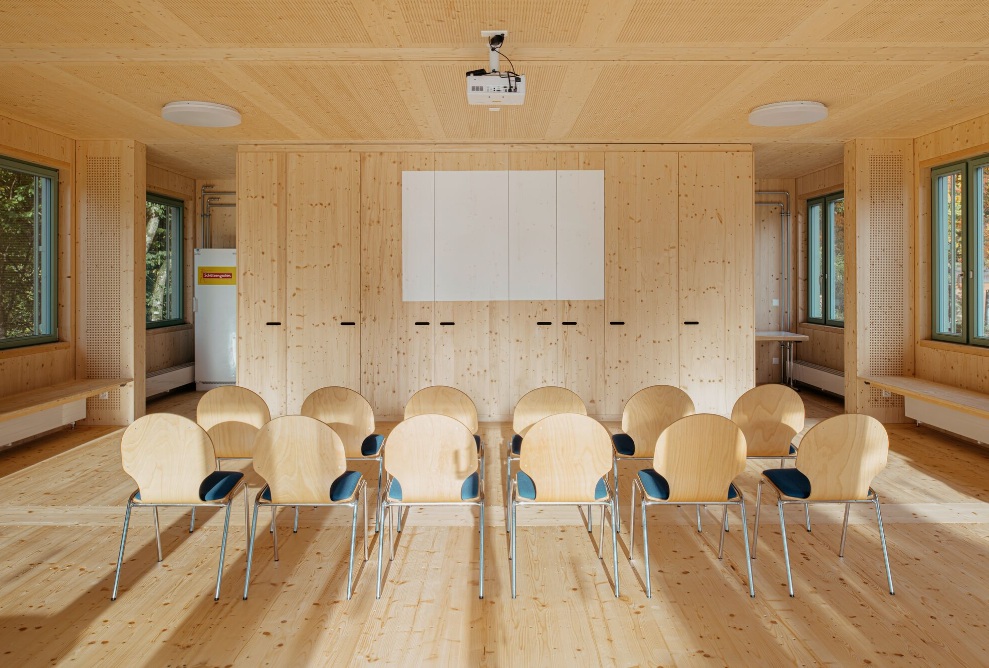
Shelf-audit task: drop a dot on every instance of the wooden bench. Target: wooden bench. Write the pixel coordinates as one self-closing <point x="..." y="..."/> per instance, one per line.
<point x="953" y="409"/>
<point x="27" y="413"/>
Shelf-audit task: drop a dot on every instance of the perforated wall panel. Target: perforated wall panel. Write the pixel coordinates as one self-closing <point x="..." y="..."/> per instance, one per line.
<point x="102" y="261"/>
<point x="886" y="272"/>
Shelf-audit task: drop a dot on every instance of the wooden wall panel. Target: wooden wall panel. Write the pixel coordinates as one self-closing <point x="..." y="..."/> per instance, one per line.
<point x="739" y="275"/>
<point x="396" y="352"/>
<point x="582" y="354"/>
<point x="640" y="274"/>
<point x="826" y="345"/>
<point x="322" y="274"/>
<point x="535" y="348"/>
<point x="261" y="261"/>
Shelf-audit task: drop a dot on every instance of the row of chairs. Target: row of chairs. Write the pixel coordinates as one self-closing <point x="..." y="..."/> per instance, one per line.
<point x="433" y="458"/>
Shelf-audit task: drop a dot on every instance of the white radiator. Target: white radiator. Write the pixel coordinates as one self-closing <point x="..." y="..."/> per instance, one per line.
<point x="163" y="380"/>
<point x="947" y="419"/>
<point x="27" y="426"/>
<point x="821" y="377"/>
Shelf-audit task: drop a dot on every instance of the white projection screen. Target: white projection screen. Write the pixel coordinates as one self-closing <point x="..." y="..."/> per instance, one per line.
<point x="503" y="235"/>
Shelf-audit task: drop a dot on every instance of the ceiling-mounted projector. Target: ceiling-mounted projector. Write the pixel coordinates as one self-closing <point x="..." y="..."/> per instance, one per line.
<point x="495" y="88"/>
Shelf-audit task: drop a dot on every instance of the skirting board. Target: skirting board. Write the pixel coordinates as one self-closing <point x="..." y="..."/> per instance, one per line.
<point x="159" y="382"/>
<point x="947" y="419"/>
<point x="27" y="426"/>
<point x="829" y="380"/>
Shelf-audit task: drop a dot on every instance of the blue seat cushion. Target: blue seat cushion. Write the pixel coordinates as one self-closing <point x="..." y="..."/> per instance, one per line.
<point x="468" y="491"/>
<point x="342" y="488"/>
<point x="793" y="449"/>
<point x="527" y="487"/>
<point x="372" y="445"/>
<point x="791" y="482"/>
<point x="477" y="441"/>
<point x="218" y="484"/>
<point x="624" y="445"/>
<point x="516" y="444"/>
<point x="657" y="487"/>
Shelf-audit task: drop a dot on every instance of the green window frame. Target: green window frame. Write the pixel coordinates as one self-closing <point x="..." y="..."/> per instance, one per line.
<point x="960" y="252"/>
<point x="163" y="261"/>
<point x="826" y="260"/>
<point x="28" y="254"/>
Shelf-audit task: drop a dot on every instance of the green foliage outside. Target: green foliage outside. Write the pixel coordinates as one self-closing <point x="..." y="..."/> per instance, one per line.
<point x="163" y="245"/>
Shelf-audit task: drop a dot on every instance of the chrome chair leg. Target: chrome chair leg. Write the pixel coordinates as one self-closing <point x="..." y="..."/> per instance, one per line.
<point x="391" y="530"/>
<point x="274" y="531"/>
<point x="698" y="518"/>
<point x="508" y="514"/>
<point x="353" y="542"/>
<point x="614" y="475"/>
<point x="786" y="549"/>
<point x="271" y="529"/>
<point x="748" y="555"/>
<point x="480" y="585"/>
<point x="365" y="522"/>
<point x="250" y="550"/>
<point x="645" y="548"/>
<point x="844" y="530"/>
<point x="223" y="551"/>
<point x="120" y="555"/>
<point x="381" y="552"/>
<point x="755" y="529"/>
<point x="192" y="520"/>
<point x="157" y="531"/>
<point x="614" y="540"/>
<point x="247" y="516"/>
<point x="807" y="515"/>
<point x="631" y="526"/>
<point x="377" y="511"/>
<point x="508" y="485"/>
<point x="601" y="537"/>
<point x="882" y="540"/>
<point x="724" y="530"/>
<point x="514" y="531"/>
<point x="590" y="519"/>
<point x="295" y="526"/>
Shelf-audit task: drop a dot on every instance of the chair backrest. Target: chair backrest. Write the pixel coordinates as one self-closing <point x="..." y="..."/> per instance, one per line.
<point x="346" y="412"/>
<point x="770" y="417"/>
<point x="842" y="455"/>
<point x="430" y="455"/>
<point x="168" y="456"/>
<point x="443" y="400"/>
<point x="651" y="410"/>
<point x="543" y="402"/>
<point x="232" y="415"/>
<point x="299" y="457"/>
<point x="699" y="456"/>
<point x="566" y="455"/>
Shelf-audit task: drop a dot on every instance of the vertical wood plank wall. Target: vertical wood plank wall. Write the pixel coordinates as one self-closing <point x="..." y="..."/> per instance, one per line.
<point x="320" y="243"/>
<point x="23" y="369"/>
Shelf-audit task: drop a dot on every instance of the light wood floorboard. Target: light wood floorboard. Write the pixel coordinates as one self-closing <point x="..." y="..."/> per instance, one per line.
<point x="60" y="517"/>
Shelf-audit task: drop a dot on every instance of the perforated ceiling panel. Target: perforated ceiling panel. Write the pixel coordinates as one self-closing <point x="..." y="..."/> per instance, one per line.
<point x="102" y="248"/>
<point x="887" y="314"/>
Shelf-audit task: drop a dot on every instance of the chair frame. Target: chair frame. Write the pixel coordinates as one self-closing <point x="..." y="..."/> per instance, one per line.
<point x="226" y="501"/>
<point x="647" y="501"/>
<point x="353" y="501"/>
<point x="607" y="503"/>
<point x="783" y="500"/>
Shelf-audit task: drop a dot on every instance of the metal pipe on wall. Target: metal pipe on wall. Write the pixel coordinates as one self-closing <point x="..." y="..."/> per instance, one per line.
<point x="209" y="198"/>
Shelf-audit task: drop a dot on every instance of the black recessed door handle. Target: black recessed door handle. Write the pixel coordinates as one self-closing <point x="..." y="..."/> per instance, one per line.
<point x="347" y="323"/>
<point x="569" y="322"/>
<point x="422" y="322"/>
<point x="617" y="322"/>
<point x="691" y="322"/>
<point x="543" y="323"/>
<point x="447" y="323"/>
<point x="273" y="324"/>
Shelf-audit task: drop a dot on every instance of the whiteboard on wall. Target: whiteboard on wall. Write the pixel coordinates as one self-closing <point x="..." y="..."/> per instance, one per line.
<point x="500" y="235"/>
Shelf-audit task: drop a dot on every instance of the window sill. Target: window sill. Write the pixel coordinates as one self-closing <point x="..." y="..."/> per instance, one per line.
<point x="36" y="349"/>
<point x="958" y="348"/>
<point x="821" y="328"/>
<point x="166" y="329"/>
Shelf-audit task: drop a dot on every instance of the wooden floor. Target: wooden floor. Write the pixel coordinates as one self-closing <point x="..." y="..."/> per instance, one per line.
<point x="61" y="507"/>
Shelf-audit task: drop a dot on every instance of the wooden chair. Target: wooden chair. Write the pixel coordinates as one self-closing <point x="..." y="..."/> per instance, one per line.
<point x="836" y="463"/>
<point x="531" y="408"/>
<point x="349" y="414"/>
<point x="449" y="401"/>
<point x="232" y="416"/>
<point x="695" y="463"/>
<point x="566" y="461"/>
<point x="173" y="463"/>
<point x="430" y="460"/>
<point x="646" y="415"/>
<point x="303" y="462"/>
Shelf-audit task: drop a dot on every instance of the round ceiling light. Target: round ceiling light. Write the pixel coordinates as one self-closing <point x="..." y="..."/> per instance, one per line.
<point x="201" y="114"/>
<point x="783" y="114"/>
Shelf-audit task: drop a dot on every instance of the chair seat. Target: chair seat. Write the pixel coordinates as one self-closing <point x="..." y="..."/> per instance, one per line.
<point x="791" y="482"/>
<point x="215" y="486"/>
<point x="657" y="487"/>
<point x="624" y="445"/>
<point x="342" y="488"/>
<point x="516" y="444"/>
<point x="527" y="487"/>
<point x="372" y="445"/>
<point x="469" y="491"/>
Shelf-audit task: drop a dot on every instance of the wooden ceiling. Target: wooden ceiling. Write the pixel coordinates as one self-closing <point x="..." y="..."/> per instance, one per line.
<point x="393" y="71"/>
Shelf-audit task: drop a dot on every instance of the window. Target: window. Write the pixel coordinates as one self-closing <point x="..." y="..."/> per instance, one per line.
<point x="826" y="260"/>
<point x="960" y="249"/>
<point x="164" y="261"/>
<point x="28" y="240"/>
